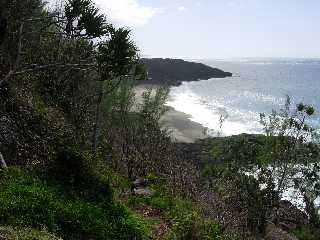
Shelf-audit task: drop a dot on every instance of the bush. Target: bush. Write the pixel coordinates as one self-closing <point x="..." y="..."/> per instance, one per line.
<point x="189" y="224"/>
<point x="28" y="201"/>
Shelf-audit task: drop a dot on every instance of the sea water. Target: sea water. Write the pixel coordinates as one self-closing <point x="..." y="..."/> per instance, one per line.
<point x="257" y="86"/>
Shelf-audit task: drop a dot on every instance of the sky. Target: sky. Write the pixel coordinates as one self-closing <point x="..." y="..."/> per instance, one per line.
<point x="220" y="29"/>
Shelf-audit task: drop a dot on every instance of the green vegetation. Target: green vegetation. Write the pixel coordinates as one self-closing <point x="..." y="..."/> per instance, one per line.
<point x="30" y="201"/>
<point x="285" y="157"/>
<point x="186" y="221"/>
<point x="84" y="157"/>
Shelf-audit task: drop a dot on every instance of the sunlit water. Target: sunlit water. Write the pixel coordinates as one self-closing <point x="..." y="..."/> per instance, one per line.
<point x="258" y="86"/>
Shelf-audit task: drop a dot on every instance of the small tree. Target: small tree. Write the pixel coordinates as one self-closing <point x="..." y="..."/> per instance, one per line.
<point x="290" y="148"/>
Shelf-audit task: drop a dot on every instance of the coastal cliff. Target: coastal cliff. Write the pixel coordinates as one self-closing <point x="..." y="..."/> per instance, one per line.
<point x="172" y="72"/>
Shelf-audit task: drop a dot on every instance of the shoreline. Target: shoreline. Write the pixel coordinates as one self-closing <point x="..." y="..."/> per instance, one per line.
<point x="181" y="128"/>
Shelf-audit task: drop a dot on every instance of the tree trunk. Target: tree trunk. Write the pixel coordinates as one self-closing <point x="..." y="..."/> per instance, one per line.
<point x="311" y="210"/>
<point x="96" y="123"/>
<point x="3" y="162"/>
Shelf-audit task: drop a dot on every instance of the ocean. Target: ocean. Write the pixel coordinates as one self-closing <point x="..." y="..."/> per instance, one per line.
<point x="257" y="86"/>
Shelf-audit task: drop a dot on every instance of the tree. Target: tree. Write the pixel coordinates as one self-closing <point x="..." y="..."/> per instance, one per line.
<point x="134" y="128"/>
<point x="76" y="52"/>
<point x="117" y="58"/>
<point x="82" y="19"/>
<point x="28" y="24"/>
<point x="60" y="60"/>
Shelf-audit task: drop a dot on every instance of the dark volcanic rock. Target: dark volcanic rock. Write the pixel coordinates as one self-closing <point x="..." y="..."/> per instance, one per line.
<point x="172" y="72"/>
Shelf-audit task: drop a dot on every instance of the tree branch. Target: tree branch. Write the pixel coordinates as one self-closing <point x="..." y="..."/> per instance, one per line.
<point x="35" y="68"/>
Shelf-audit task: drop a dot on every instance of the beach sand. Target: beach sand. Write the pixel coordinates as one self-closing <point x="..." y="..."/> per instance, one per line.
<point x="181" y="128"/>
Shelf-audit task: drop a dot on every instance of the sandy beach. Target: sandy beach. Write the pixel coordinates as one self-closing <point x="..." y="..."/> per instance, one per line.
<point x="181" y="127"/>
<point x="178" y="123"/>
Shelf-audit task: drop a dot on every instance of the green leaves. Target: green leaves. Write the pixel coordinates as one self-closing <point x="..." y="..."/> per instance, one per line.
<point x="83" y="19"/>
<point x="117" y="55"/>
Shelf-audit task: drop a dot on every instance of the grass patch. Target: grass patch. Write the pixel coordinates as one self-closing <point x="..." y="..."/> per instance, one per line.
<point x="27" y="200"/>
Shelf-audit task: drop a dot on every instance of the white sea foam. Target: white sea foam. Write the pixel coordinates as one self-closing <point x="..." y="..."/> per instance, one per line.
<point x="208" y="114"/>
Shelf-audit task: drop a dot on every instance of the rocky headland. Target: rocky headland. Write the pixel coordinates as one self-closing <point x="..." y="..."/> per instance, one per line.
<point x="172" y="72"/>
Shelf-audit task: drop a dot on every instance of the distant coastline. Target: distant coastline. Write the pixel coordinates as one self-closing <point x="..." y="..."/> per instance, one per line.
<point x="172" y="72"/>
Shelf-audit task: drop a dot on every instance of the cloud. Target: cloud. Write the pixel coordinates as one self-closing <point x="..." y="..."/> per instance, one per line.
<point x="181" y="9"/>
<point x="122" y="12"/>
<point x="127" y="12"/>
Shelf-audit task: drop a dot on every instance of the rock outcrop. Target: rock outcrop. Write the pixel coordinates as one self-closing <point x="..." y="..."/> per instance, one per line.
<point x="140" y="188"/>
